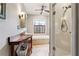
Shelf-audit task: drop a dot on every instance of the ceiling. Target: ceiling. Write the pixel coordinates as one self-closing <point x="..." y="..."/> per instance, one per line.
<point x="31" y="8"/>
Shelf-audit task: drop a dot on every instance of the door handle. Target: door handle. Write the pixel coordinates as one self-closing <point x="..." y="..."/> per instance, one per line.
<point x="54" y="48"/>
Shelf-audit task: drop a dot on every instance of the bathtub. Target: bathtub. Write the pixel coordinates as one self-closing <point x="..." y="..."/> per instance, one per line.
<point x="40" y="37"/>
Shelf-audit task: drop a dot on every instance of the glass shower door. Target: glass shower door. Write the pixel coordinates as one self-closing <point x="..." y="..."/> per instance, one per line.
<point x="63" y="28"/>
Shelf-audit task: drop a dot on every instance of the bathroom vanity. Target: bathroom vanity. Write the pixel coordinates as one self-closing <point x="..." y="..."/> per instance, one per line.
<point x="17" y="40"/>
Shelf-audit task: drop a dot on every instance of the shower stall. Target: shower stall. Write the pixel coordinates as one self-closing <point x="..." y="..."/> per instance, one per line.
<point x="63" y="28"/>
<point x="61" y="31"/>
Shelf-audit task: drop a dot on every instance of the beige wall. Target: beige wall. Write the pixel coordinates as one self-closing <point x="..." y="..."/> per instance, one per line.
<point x="29" y="22"/>
<point x="8" y="27"/>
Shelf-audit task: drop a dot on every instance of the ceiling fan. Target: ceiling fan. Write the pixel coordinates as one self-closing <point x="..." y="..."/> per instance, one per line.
<point x="42" y="9"/>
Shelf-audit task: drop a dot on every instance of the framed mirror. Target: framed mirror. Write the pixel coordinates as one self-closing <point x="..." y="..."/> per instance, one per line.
<point x="3" y="10"/>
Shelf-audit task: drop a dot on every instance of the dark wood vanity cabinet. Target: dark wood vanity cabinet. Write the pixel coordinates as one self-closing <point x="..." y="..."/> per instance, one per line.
<point x="18" y="39"/>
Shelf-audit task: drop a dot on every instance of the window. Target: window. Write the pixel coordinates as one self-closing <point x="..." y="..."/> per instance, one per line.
<point x="39" y="26"/>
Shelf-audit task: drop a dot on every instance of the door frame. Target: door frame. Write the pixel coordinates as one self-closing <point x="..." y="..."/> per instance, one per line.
<point x="76" y="6"/>
<point x="51" y="30"/>
<point x="74" y="30"/>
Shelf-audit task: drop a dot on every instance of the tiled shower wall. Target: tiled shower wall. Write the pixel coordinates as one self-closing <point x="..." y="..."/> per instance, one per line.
<point x="63" y="39"/>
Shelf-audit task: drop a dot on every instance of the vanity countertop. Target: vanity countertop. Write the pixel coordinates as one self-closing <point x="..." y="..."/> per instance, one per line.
<point x="18" y="38"/>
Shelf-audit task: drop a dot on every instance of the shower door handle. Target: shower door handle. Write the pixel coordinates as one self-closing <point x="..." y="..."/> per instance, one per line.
<point x="70" y="32"/>
<point x="54" y="48"/>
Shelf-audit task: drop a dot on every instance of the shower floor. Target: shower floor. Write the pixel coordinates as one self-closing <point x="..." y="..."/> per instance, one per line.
<point x="61" y="52"/>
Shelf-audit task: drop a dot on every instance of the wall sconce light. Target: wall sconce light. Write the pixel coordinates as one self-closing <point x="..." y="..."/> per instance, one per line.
<point x="22" y="19"/>
<point x="22" y="15"/>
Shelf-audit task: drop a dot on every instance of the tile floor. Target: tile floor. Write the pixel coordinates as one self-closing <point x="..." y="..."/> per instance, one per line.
<point x="43" y="50"/>
<point x="40" y="50"/>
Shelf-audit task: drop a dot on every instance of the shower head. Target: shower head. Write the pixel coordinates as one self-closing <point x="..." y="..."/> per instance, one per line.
<point x="66" y="8"/>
